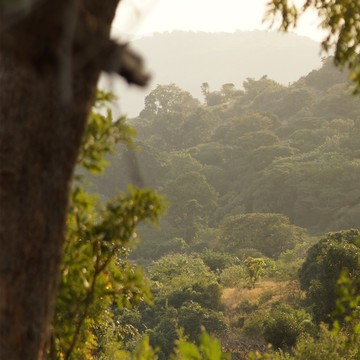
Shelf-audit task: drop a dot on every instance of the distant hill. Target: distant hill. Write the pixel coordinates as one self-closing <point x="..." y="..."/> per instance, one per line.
<point x="189" y="59"/>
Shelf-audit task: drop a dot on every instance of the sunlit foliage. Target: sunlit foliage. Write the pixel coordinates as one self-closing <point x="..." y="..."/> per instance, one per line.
<point x="95" y="272"/>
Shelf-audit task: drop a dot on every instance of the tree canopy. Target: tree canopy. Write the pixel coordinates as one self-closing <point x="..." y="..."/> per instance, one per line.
<point x="322" y="268"/>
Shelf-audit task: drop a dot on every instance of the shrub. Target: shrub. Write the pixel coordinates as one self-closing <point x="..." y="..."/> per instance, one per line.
<point x="193" y="316"/>
<point x="233" y="277"/>
<point x="285" y="325"/>
<point x="218" y="261"/>
<point x="322" y="268"/>
<point x="254" y="325"/>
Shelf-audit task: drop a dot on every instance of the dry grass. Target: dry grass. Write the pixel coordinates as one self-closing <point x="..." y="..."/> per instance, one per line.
<point x="242" y="303"/>
<point x="232" y="297"/>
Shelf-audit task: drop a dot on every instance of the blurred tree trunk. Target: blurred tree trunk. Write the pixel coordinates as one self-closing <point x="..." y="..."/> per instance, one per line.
<point x="50" y="61"/>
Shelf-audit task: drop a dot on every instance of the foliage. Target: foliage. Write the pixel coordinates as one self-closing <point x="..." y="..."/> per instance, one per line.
<point x="144" y="351"/>
<point x="325" y="78"/>
<point x="191" y="204"/>
<point x="208" y="349"/>
<point x="342" y="342"/>
<point x="233" y="276"/>
<point x="297" y="156"/>
<point x="287" y="266"/>
<point x="218" y="261"/>
<point x="232" y="131"/>
<point x="254" y="269"/>
<point x="227" y="92"/>
<point x="179" y="270"/>
<point x="95" y="272"/>
<point x="322" y="268"/>
<point x="340" y="21"/>
<point x="285" y="150"/>
<point x="285" y="325"/>
<point x="193" y="316"/>
<point x="327" y="345"/>
<point x="186" y="295"/>
<point x="348" y="307"/>
<point x="239" y="175"/>
<point x="269" y="233"/>
<point x="254" y="324"/>
<point x="182" y="278"/>
<point x="289" y="186"/>
<point x="206" y="295"/>
<point x="102" y="134"/>
<point x="282" y="326"/>
<point x="166" y="99"/>
<point x="164" y="334"/>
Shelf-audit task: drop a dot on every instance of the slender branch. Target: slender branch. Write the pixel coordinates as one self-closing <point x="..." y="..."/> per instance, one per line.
<point x="87" y="303"/>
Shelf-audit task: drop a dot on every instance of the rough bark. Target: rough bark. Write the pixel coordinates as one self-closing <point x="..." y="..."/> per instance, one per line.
<point x="50" y="61"/>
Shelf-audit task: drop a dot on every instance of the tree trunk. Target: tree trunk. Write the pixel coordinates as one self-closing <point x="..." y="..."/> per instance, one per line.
<point x="49" y="66"/>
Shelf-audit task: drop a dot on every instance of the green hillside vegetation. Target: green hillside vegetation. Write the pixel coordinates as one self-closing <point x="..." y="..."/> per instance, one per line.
<point x="263" y="194"/>
<point x="265" y="148"/>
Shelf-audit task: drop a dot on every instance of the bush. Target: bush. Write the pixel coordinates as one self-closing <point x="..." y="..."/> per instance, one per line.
<point x="322" y="268"/>
<point x="207" y="295"/>
<point x="254" y="270"/>
<point x="233" y="277"/>
<point x="269" y="233"/>
<point x="285" y="325"/>
<point x="163" y="336"/>
<point x="217" y="261"/>
<point x="192" y="317"/>
<point x="328" y="345"/>
<point x="254" y="325"/>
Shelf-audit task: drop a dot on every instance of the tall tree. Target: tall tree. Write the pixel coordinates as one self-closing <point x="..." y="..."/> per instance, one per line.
<point x="51" y="55"/>
<point x="322" y="268"/>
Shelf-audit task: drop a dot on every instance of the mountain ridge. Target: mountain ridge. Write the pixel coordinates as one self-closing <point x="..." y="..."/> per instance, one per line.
<point x="191" y="58"/>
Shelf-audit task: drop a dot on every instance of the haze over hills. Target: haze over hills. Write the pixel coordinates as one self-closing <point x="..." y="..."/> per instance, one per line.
<point x="189" y="59"/>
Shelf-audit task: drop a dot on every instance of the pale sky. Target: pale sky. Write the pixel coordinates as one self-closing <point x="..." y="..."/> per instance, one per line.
<point x="143" y="17"/>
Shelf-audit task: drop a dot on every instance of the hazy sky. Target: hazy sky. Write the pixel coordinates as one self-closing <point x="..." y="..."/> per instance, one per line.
<point x="141" y="17"/>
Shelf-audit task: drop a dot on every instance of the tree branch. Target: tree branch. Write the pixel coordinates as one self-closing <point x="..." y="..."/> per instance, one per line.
<point x="89" y="46"/>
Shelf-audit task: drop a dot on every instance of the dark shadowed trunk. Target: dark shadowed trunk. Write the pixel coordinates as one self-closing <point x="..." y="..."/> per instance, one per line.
<point x="39" y="140"/>
<point x="50" y="61"/>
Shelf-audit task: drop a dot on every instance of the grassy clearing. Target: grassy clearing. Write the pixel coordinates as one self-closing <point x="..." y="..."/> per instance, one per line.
<point x="266" y="292"/>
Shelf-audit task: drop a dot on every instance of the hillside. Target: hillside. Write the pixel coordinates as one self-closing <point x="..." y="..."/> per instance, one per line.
<point x="264" y="210"/>
<point x="291" y="150"/>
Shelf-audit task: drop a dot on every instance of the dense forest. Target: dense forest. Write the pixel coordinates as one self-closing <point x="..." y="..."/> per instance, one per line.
<point x="262" y="186"/>
<point x="257" y="255"/>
